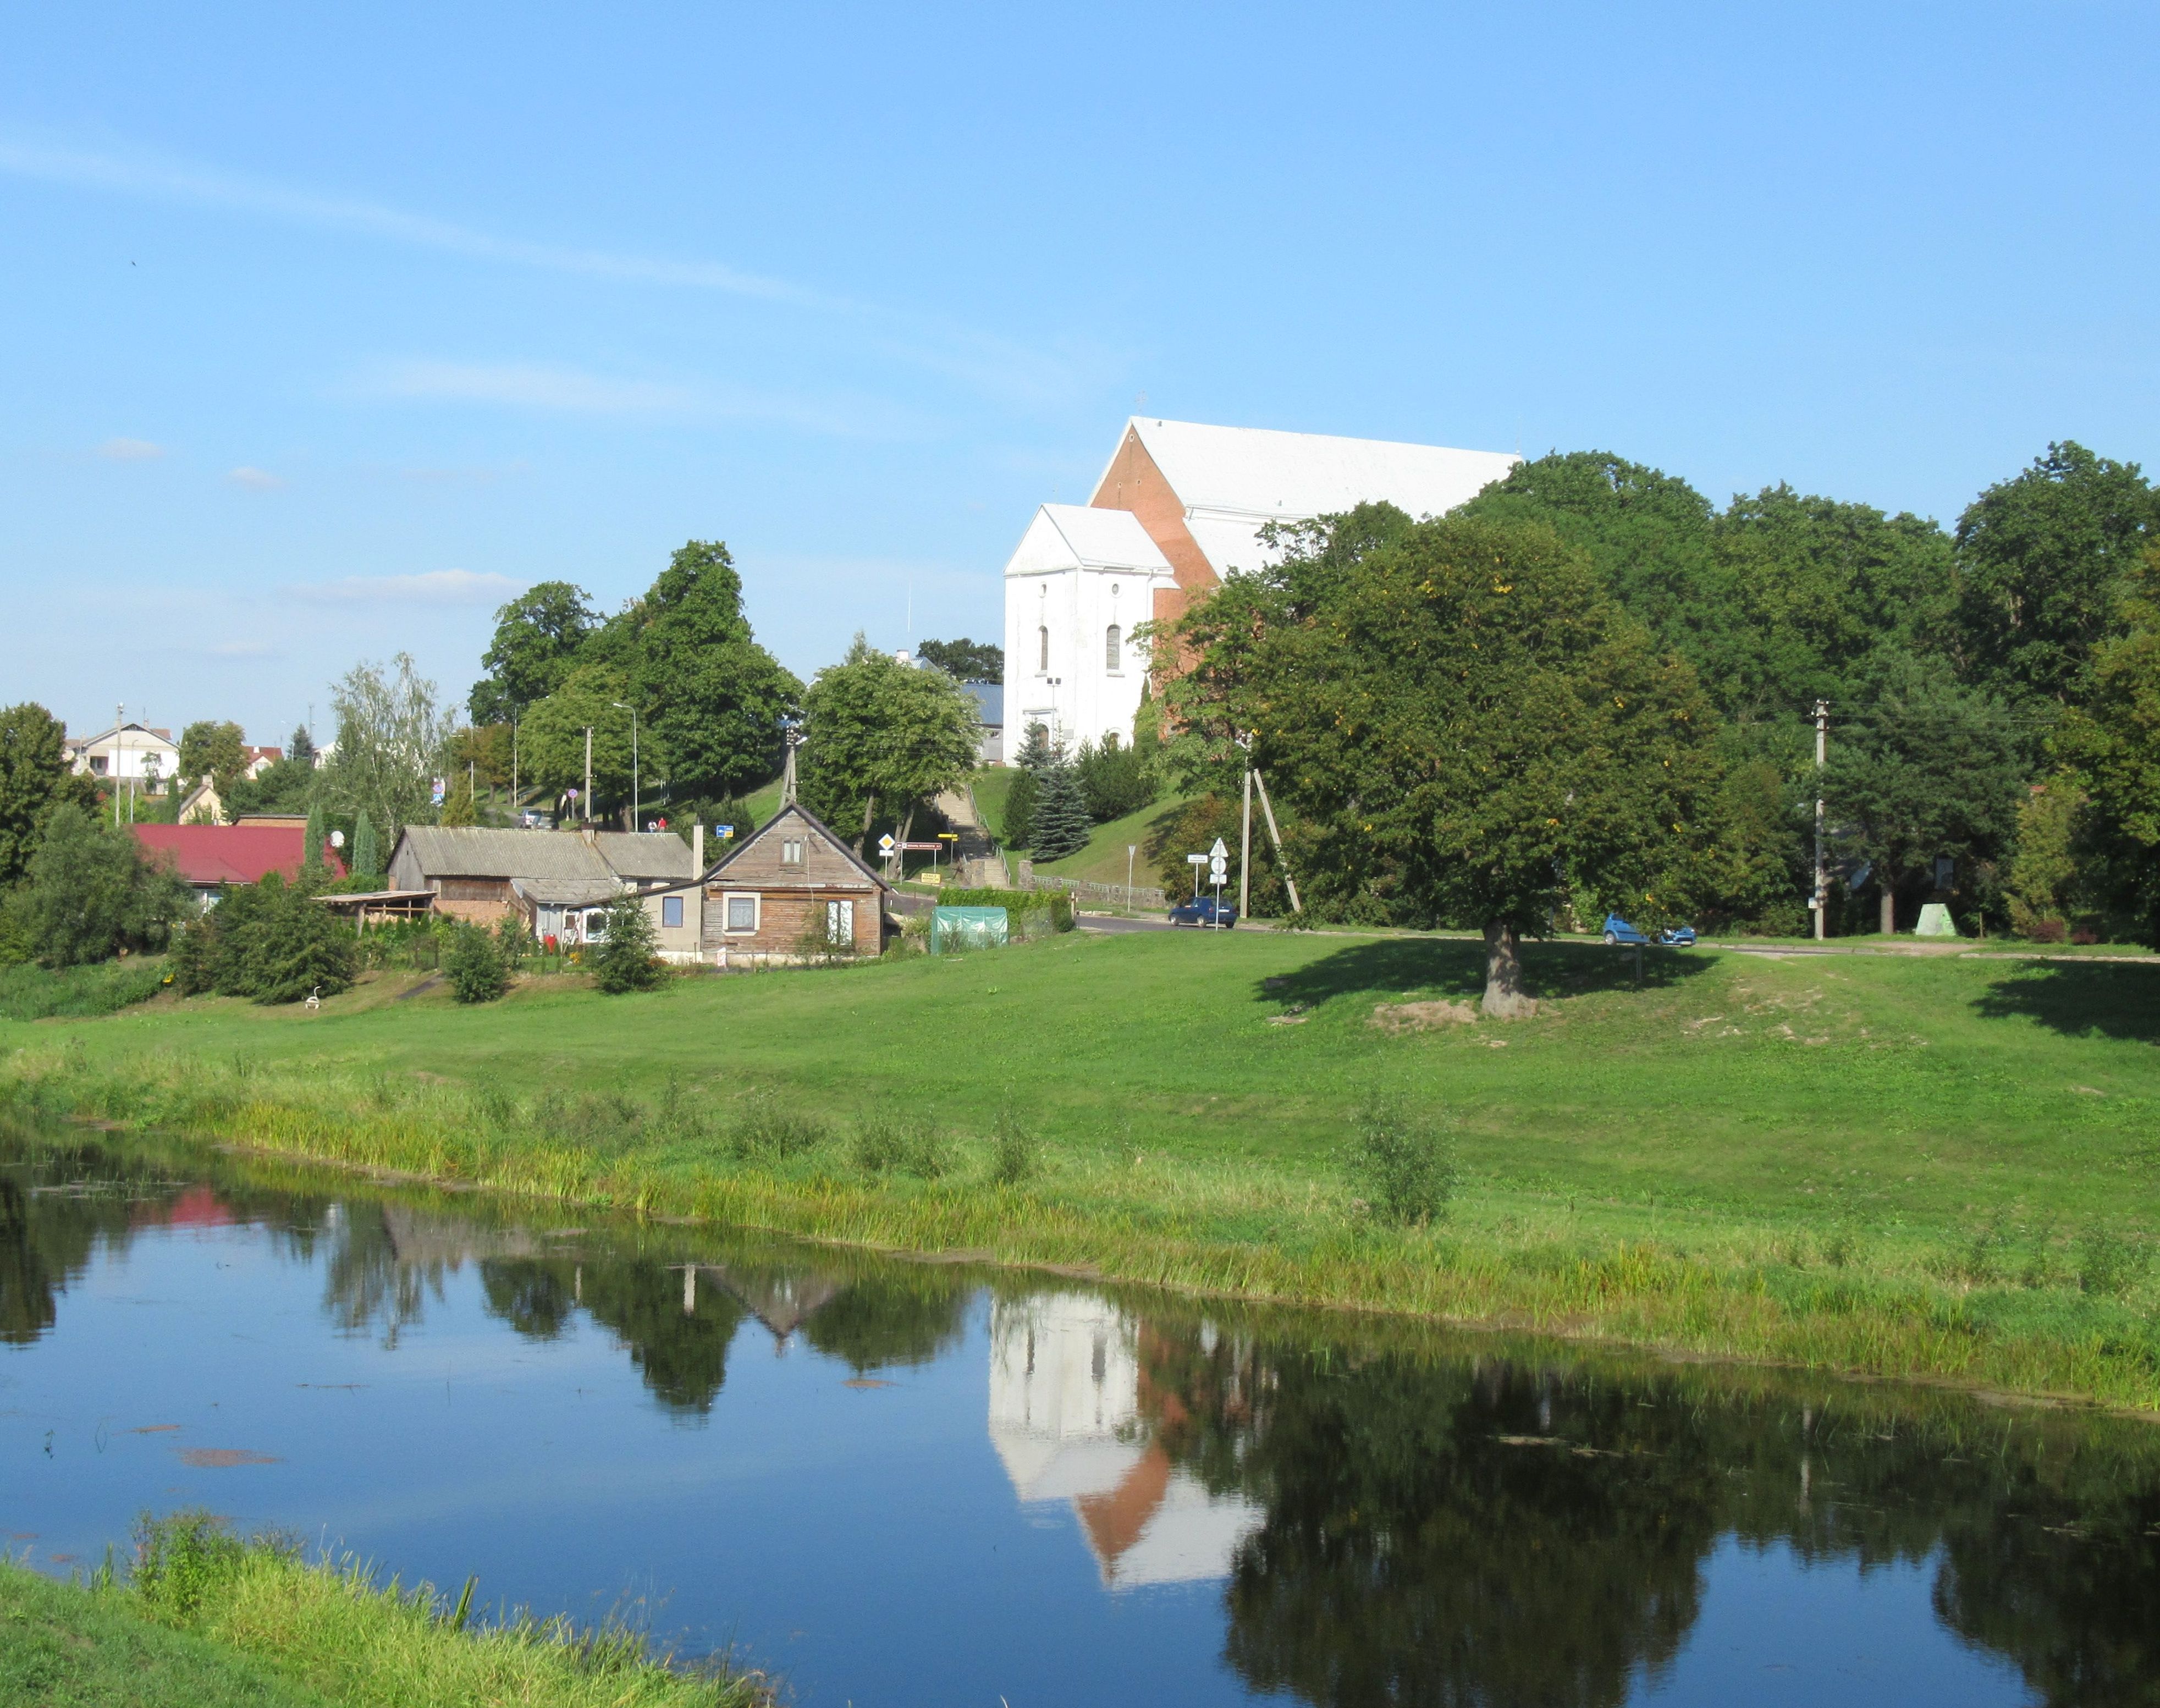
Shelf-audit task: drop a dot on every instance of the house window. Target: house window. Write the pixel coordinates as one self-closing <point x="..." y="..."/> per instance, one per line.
<point x="791" y="851"/>
<point x="839" y="922"/>
<point x="1042" y="641"/>
<point x="97" y="759"/>
<point x="1112" y="640"/>
<point x="671" y="912"/>
<point x="742" y="913"/>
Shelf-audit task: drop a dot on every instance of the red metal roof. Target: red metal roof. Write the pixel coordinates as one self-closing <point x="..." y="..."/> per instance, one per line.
<point x="230" y="853"/>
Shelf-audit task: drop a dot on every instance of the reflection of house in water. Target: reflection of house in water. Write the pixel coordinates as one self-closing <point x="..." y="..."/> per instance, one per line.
<point x="781" y="1299"/>
<point x="1069" y="1419"/>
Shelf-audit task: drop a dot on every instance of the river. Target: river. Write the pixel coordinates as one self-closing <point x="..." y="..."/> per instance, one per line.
<point x="894" y="1482"/>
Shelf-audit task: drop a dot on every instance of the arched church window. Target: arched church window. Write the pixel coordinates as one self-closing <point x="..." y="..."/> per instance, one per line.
<point x="1042" y="639"/>
<point x="1112" y="639"/>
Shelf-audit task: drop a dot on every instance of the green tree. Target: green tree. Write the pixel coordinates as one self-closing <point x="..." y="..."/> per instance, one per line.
<point x="628" y="957"/>
<point x="883" y="738"/>
<point x="1469" y="729"/>
<point x="313" y="864"/>
<point x="1927" y="769"/>
<point x="286" y="785"/>
<point x="476" y="965"/>
<point x="551" y="741"/>
<point x="2041" y="562"/>
<point x="296" y="946"/>
<point x="969" y="661"/>
<point x="35" y="778"/>
<point x="2113" y="740"/>
<point x="537" y="638"/>
<point x="390" y="739"/>
<point x="1115" y="779"/>
<point x="1062" y="823"/>
<point x="215" y="750"/>
<point x="712" y="698"/>
<point x="1018" y="829"/>
<point x="300" y="746"/>
<point x="2043" y="873"/>
<point x="92" y="892"/>
<point x="366" y="850"/>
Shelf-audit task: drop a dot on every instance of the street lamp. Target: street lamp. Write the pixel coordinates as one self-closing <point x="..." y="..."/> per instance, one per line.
<point x="632" y="710"/>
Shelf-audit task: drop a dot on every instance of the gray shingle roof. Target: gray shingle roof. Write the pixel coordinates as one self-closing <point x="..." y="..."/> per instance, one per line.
<point x="474" y="853"/>
<point x="644" y="856"/>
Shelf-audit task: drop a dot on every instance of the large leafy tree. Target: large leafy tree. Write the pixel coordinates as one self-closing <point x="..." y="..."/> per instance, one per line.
<point x="390" y="739"/>
<point x="217" y="750"/>
<point x="92" y="892"/>
<point x="537" y="638"/>
<point x="2041" y="559"/>
<point x="713" y="698"/>
<point x="1467" y="728"/>
<point x="971" y="660"/>
<point x="1923" y="769"/>
<point x="34" y="779"/>
<point x="551" y="741"/>
<point x="883" y="739"/>
<point x="2114" y="741"/>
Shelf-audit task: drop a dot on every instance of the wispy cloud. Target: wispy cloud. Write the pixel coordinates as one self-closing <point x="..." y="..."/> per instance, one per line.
<point x="430" y="587"/>
<point x="555" y="387"/>
<point x="989" y="362"/>
<point x="255" y="479"/>
<point x="130" y="450"/>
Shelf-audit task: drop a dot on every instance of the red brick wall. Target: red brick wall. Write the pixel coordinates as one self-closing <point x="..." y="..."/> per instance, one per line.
<point x="1134" y="483"/>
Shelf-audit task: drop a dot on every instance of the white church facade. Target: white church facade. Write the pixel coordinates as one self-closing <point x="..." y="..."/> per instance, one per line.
<point x="1179" y="508"/>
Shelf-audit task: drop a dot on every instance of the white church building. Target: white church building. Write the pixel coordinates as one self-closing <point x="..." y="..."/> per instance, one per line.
<point x="1179" y="508"/>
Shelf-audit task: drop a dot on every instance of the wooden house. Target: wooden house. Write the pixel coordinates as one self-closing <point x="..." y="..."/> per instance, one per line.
<point x="790" y="889"/>
<point x="559" y="881"/>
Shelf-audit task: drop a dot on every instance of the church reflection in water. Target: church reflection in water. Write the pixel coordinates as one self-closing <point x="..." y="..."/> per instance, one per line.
<point x="1394" y="1514"/>
<point x="1072" y="1416"/>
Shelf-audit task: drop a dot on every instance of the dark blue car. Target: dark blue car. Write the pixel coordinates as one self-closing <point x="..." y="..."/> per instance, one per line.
<point x="1204" y="910"/>
<point x="1618" y="931"/>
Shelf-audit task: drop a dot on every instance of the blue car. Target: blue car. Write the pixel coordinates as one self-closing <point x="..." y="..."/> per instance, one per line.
<point x="1204" y="910"/>
<point x="1618" y="931"/>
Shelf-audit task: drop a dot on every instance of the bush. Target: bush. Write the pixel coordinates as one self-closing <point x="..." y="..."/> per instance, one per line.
<point x="1016" y="1153"/>
<point x="182" y="1560"/>
<point x="774" y="1130"/>
<point x="475" y="967"/>
<point x="271" y="941"/>
<point x="33" y="994"/>
<point x="1403" y="1167"/>
<point x="1018" y="830"/>
<point x="1115" y="780"/>
<point x="91" y="892"/>
<point x="627" y="958"/>
<point x="884" y="1143"/>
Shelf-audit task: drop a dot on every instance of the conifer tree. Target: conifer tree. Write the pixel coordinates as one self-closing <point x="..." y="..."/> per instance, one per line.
<point x="366" y="858"/>
<point x="1062" y="821"/>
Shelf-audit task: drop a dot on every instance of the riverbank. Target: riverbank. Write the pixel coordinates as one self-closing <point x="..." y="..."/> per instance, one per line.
<point x="1878" y="1166"/>
<point x="215" y="1622"/>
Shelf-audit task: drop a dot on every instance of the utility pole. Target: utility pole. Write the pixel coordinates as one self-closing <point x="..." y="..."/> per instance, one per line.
<point x="585" y="800"/>
<point x="119" y="718"/>
<point x="1275" y="836"/>
<point x="636" y="810"/>
<point x="1822" y="872"/>
<point x="1246" y="851"/>
<point x="787" y="777"/>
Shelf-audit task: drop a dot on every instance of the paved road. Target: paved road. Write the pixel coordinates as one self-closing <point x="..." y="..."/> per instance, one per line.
<point x="1114" y="922"/>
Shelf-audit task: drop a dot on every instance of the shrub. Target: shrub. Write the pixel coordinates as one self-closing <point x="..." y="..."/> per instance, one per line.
<point x="475" y="967"/>
<point x="884" y="1143"/>
<point x="769" y="1127"/>
<point x="33" y="994"/>
<point x="1403" y="1167"/>
<point x="1018" y="830"/>
<point x="1114" y="780"/>
<point x="293" y="946"/>
<point x="627" y="959"/>
<point x="2108" y="1265"/>
<point x="181" y="1561"/>
<point x="1016" y="1153"/>
<point x="91" y="892"/>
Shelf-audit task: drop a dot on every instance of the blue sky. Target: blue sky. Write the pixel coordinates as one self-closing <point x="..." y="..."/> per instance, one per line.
<point x="320" y="333"/>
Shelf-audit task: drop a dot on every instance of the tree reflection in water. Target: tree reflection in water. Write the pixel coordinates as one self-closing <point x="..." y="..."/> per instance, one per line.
<point x="1397" y="1516"/>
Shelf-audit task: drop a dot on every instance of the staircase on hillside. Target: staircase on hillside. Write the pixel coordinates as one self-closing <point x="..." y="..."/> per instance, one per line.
<point x="976" y="862"/>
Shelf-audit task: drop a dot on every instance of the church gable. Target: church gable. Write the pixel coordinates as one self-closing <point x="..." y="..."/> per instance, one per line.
<point x="1133" y="481"/>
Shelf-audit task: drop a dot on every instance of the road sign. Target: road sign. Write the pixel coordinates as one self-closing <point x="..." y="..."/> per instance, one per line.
<point x="1218" y="852"/>
<point x="1195" y="859"/>
<point x="921" y="847"/>
<point x="724" y="831"/>
<point x="887" y="845"/>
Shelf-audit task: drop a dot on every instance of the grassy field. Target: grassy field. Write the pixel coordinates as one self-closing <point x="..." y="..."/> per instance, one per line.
<point x="1940" y="1165"/>
<point x="224" y="1624"/>
<point x="1103" y="861"/>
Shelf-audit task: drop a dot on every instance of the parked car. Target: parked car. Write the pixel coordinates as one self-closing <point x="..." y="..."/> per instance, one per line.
<point x="1204" y="910"/>
<point x="1618" y="931"/>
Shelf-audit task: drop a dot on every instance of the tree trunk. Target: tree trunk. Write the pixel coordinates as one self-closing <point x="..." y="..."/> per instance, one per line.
<point x="1504" y="974"/>
<point x="869" y="812"/>
<point x="1889" y="891"/>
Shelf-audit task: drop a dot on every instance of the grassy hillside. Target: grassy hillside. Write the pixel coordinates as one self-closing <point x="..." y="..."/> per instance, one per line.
<point x="1898" y="1163"/>
<point x="1103" y="861"/>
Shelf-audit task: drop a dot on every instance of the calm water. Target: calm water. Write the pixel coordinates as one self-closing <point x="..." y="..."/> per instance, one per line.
<point x="908" y="1483"/>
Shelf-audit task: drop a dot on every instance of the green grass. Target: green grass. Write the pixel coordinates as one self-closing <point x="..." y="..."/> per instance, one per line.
<point x="1103" y="861"/>
<point x="34" y="994"/>
<point x="992" y="785"/>
<point x="226" y="1624"/>
<point x="1892" y="1164"/>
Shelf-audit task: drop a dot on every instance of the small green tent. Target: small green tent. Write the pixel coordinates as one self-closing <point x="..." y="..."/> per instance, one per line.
<point x="967" y="928"/>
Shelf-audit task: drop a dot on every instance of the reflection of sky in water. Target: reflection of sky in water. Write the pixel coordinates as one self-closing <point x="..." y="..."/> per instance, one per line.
<point x="878" y="1544"/>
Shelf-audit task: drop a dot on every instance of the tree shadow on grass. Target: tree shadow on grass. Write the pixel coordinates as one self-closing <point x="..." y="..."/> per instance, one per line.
<point x="2079" y="999"/>
<point x="1452" y="969"/>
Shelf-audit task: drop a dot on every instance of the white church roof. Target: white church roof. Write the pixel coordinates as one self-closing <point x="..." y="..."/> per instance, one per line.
<point x="1074" y="536"/>
<point x="1234" y="480"/>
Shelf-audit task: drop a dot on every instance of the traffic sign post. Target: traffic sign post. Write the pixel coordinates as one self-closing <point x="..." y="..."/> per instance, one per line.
<point x="1218" y="869"/>
<point x="1196" y="861"/>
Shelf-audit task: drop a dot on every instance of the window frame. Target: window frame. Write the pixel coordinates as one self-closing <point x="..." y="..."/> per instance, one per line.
<point x="727" y="900"/>
<point x="1114" y="650"/>
<point x="794" y="852"/>
<point x="674" y="901"/>
<point x="834" y="904"/>
<point x="1042" y="643"/>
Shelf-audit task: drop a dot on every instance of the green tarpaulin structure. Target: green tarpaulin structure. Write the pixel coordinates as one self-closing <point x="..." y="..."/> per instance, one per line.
<point x="967" y="928"/>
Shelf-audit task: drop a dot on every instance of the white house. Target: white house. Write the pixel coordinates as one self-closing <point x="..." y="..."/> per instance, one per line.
<point x="1197" y="498"/>
<point x="131" y="753"/>
<point x="1080" y="583"/>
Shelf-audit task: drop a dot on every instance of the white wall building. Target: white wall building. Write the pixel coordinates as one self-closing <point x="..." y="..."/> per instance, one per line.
<point x="1080" y="583"/>
<point x="1196" y="497"/>
<point x="131" y="753"/>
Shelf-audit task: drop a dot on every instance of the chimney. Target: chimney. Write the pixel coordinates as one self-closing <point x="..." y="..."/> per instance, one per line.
<point x="698" y="846"/>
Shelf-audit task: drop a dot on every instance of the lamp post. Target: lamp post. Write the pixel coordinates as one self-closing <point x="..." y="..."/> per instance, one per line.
<point x="632" y="710"/>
